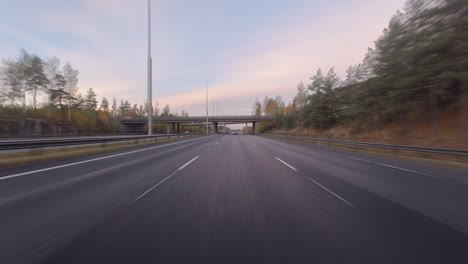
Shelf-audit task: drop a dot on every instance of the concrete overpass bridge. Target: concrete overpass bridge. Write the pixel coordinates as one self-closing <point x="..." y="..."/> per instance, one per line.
<point x="139" y="124"/>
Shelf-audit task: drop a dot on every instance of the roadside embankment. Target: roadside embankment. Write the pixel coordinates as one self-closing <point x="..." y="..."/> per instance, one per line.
<point x="434" y="156"/>
<point x="13" y="158"/>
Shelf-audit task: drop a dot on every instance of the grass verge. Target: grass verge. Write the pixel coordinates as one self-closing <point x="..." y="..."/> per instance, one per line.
<point x="9" y="160"/>
<point x="452" y="161"/>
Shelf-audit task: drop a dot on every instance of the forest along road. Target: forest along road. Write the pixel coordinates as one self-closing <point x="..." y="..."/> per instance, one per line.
<point x="233" y="199"/>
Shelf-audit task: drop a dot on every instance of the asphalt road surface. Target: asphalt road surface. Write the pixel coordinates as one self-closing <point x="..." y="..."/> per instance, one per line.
<point x="233" y="199"/>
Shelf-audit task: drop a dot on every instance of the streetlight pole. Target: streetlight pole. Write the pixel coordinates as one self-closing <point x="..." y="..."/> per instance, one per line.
<point x="207" y="132"/>
<point x="149" y="100"/>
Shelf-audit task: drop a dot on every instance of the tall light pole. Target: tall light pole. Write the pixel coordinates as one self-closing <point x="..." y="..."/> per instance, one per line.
<point x="150" y="99"/>
<point x="207" y="132"/>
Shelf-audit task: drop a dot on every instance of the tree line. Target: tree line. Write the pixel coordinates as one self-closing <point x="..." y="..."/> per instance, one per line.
<point x="32" y="87"/>
<point x="419" y="65"/>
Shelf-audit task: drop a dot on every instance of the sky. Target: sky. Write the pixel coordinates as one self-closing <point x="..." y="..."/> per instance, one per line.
<point x="243" y="49"/>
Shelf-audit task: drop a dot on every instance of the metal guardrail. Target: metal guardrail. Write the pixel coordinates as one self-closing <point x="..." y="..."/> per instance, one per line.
<point x="56" y="142"/>
<point x="457" y="152"/>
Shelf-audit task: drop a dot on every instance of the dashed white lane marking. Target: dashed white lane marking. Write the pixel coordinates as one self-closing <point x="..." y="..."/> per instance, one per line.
<point x="186" y="164"/>
<point x="91" y="160"/>
<point x="285" y="163"/>
<point x="389" y="166"/>
<point x="253" y="143"/>
<point x="334" y="194"/>
<point x="165" y="179"/>
<point x="159" y="183"/>
<point x="216" y="143"/>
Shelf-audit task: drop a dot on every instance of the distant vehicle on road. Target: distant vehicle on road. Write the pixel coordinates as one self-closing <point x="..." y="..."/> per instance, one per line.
<point x="235" y="133"/>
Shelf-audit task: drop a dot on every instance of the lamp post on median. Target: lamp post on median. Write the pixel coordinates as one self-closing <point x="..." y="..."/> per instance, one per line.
<point x="149" y="100"/>
<point x="207" y="131"/>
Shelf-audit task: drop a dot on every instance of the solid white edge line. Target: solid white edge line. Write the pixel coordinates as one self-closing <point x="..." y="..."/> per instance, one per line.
<point x="390" y="166"/>
<point x="336" y="195"/>
<point x="353" y="158"/>
<point x="417" y="172"/>
<point x="349" y="157"/>
<point x="91" y="160"/>
<point x="285" y="163"/>
<point x="186" y="164"/>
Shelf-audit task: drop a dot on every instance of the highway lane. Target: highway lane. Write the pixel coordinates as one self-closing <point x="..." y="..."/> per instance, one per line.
<point x="42" y="211"/>
<point x="238" y="203"/>
<point x="435" y="191"/>
<point x="231" y="199"/>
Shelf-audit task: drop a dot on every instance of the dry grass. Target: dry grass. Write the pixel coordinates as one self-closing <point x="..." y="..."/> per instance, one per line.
<point x="9" y="160"/>
<point x="447" y="130"/>
<point x="459" y="162"/>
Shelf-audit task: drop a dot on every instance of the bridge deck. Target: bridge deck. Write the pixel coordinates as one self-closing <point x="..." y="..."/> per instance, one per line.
<point x="197" y="119"/>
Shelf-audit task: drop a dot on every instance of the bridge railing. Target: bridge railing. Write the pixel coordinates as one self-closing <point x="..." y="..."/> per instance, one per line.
<point x="223" y="118"/>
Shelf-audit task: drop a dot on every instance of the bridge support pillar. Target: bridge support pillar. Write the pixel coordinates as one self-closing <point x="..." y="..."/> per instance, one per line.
<point x="254" y="128"/>
<point x="178" y="128"/>
<point x="215" y="127"/>
<point x="173" y="128"/>
<point x="168" y="128"/>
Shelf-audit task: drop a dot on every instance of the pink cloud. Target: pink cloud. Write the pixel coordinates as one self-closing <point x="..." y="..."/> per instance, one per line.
<point x="112" y="57"/>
